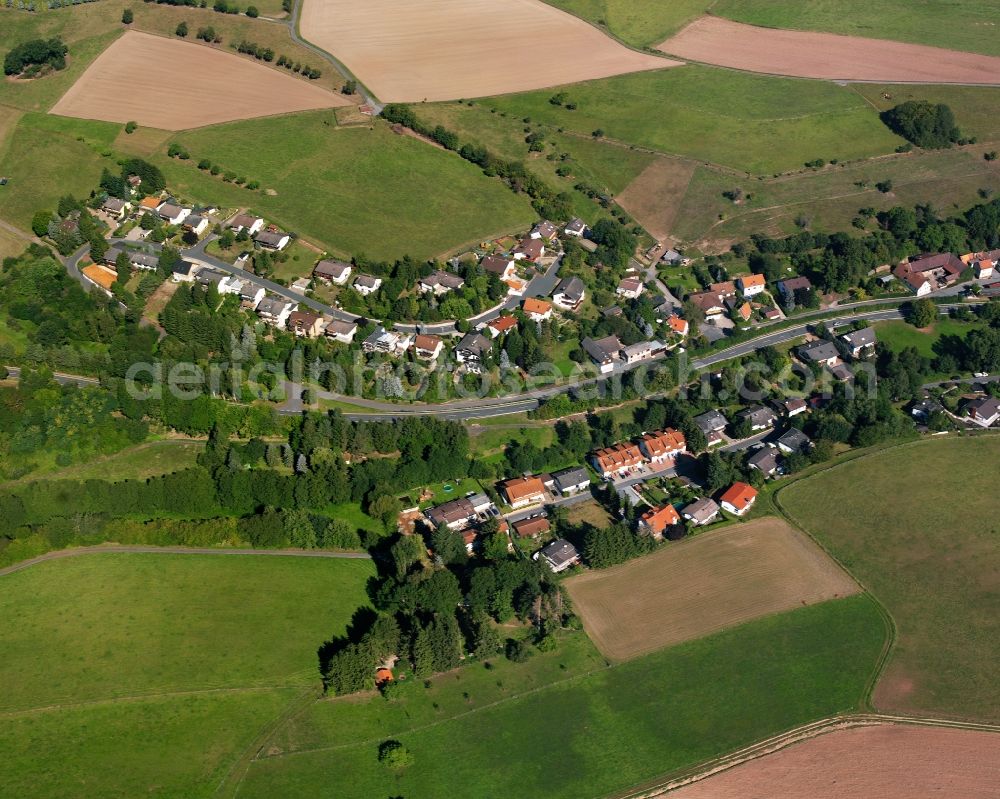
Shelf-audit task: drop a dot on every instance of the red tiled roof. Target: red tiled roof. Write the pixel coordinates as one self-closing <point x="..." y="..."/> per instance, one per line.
<point x="739" y="495"/>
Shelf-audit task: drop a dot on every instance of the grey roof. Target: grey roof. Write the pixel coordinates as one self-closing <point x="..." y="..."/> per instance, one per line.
<point x="603" y="349"/>
<point x="985" y="407"/>
<point x="214" y="276"/>
<point x="560" y="552"/>
<point x="144" y="259"/>
<point x="577" y="225"/>
<point x="710" y="420"/>
<point x="765" y="459"/>
<point x="925" y="408"/>
<point x="841" y="371"/>
<point x="860" y="338"/>
<point x="819" y="350"/>
<point x="794" y="439"/>
<point x="758" y="414"/>
<point x="269" y="238"/>
<point x="475" y="344"/>
<point x="194" y="220"/>
<point x="572" y="288"/>
<point x="568" y="478"/>
<point x="183" y="268"/>
<point x="366" y="280"/>
<point x="336" y="327"/>
<point x="701" y="509"/>
<point x="442" y="278"/>
<point x="330" y="268"/>
<point x="272" y="306"/>
<point x="169" y="210"/>
<point x="113" y="204"/>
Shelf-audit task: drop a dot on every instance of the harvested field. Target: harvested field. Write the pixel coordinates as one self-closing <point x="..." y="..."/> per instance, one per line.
<point x="829" y="56"/>
<point x="655" y="196"/>
<point x="704" y="584"/>
<point x="450" y="49"/>
<point x="883" y="760"/>
<point x="136" y="78"/>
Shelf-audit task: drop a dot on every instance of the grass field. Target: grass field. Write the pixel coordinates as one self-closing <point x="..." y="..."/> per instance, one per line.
<point x="747" y="122"/>
<point x="162" y="668"/>
<point x="636" y="22"/>
<point x="899" y="335"/>
<point x="710" y="582"/>
<point x="369" y="190"/>
<point x="137" y="463"/>
<point x="959" y="24"/>
<point x="829" y="198"/>
<point x="48" y="157"/>
<point x="917" y="525"/>
<point x="585" y="734"/>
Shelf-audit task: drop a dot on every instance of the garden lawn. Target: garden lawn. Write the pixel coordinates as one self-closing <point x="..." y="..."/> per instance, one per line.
<point x="591" y="733"/>
<point x="958" y="24"/>
<point x="351" y="190"/>
<point x="755" y="123"/>
<point x="899" y="335"/>
<point x="917" y="525"/>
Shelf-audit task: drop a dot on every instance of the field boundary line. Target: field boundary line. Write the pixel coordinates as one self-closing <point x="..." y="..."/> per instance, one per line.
<point x="144" y="549"/>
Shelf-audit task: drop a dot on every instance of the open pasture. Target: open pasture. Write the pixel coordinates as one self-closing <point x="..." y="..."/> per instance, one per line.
<point x="917" y="525"/>
<point x="884" y="760"/>
<point x="702" y="585"/>
<point x="828" y="56"/>
<point x="654" y="198"/>
<point x="134" y="80"/>
<point x="449" y="49"/>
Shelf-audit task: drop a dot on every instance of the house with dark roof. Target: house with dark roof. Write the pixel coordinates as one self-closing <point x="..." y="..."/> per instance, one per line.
<point x="860" y="343"/>
<point x="765" y="460"/>
<point x="544" y="230"/>
<point x="984" y="412"/>
<point x="605" y="352"/>
<point x="793" y="440"/>
<point x="760" y="417"/>
<point x="571" y="481"/>
<point x="575" y="227"/>
<point x="790" y="285"/>
<point x="272" y="239"/>
<point x="440" y="282"/>
<point x="711" y="422"/>
<point x="503" y="268"/>
<point x="472" y="349"/>
<point x="820" y="351"/>
<point x="333" y="271"/>
<point x="559" y="555"/>
<point x="529" y="250"/>
<point x="570" y="293"/>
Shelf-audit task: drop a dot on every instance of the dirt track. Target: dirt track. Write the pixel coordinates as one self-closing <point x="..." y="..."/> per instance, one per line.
<point x="713" y="40"/>
<point x="884" y="761"/>
<point x="408" y="51"/>
<point x="704" y="584"/>
<point x="175" y="85"/>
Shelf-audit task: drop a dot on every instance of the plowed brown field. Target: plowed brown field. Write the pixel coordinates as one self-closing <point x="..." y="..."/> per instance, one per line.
<point x="714" y="40"/>
<point x="884" y="761"/>
<point x="174" y="85"/>
<point x="704" y="584"/>
<point x="407" y="51"/>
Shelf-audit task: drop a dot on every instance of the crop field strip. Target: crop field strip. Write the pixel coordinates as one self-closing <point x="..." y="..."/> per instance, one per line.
<point x="708" y="583"/>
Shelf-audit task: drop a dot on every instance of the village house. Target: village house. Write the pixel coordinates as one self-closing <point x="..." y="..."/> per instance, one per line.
<point x="250" y="295"/>
<point x="790" y="285"/>
<point x="922" y="410"/>
<point x="793" y="440"/>
<point x="196" y="223"/>
<point x="614" y="461"/>
<point x="674" y="258"/>
<point x="751" y="285"/>
<point x="149" y="204"/>
<point x="740" y="310"/>
<point x="390" y="342"/>
<point x="820" y="352"/>
<point x="641" y="351"/>
<point x="305" y="324"/>
<point x="544" y="230"/>
<point x="366" y="284"/>
<point x="115" y="208"/>
<point x="172" y="214"/>
<point x="765" y="460"/>
<point x="630" y="288"/>
<point x="982" y="263"/>
<point x="760" y="417"/>
<point x="460" y="513"/>
<point x="701" y="511"/>
<point x="712" y="424"/>
<point x="604" y="352"/>
<point x="440" y="282"/>
<point x="529" y="250"/>
<point x="521" y="491"/>
<point x="656" y="521"/>
<point x="300" y="285"/>
<point x="860" y="343"/>
<point x="503" y="268"/>
<point x="678" y="326"/>
<point x="576" y="228"/>
<point x="793" y="407"/>
<point x="240" y="222"/>
<point x="727" y="288"/>
<point x="984" y="412"/>
<point x="275" y="311"/>
<point x="569" y="294"/>
<point x="272" y="239"/>
<point x="537" y="310"/>
<point x="532" y="527"/>
<point x="711" y="304"/>
<point x="341" y="331"/>
<point x="223" y="282"/>
<point x="184" y="272"/>
<point x="427" y="347"/>
<point x="500" y="326"/>
<point x="559" y="555"/>
<point x="738" y="498"/>
<point x="927" y="273"/>
<point x="571" y="481"/>
<point x="336" y="272"/>
<point x="472" y="349"/>
<point x="663" y="446"/>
